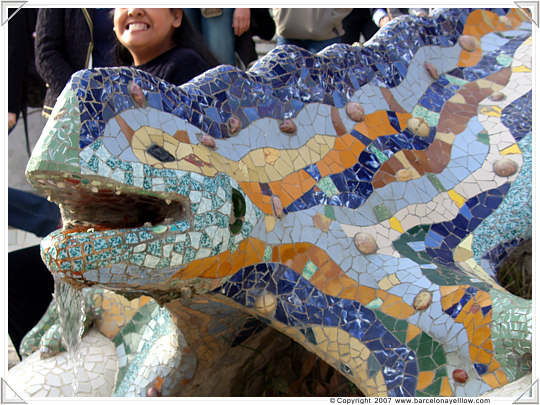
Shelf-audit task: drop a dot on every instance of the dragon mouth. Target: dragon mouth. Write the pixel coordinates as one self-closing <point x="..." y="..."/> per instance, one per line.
<point x="85" y="206"/>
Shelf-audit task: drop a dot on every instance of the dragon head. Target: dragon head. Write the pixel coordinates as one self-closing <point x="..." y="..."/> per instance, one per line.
<point x="142" y="197"/>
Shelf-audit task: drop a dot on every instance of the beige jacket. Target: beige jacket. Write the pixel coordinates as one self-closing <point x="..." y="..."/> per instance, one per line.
<point x="317" y="24"/>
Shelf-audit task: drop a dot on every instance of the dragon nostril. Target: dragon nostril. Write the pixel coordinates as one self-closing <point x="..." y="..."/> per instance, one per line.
<point x="160" y="153"/>
<point x="238" y="212"/>
<point x="239" y="203"/>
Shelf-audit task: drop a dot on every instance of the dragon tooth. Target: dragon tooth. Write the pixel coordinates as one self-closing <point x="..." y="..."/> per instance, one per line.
<point x="167" y="201"/>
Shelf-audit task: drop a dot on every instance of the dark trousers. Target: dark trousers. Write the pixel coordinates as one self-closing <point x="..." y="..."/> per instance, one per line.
<point x="358" y="22"/>
<point x="30" y="289"/>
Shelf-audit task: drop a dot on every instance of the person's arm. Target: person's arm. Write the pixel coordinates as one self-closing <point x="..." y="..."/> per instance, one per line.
<point x="51" y="63"/>
<point x="241" y="20"/>
<point x="17" y="62"/>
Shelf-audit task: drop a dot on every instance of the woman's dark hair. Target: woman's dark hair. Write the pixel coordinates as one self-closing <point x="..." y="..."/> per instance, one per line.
<point x="186" y="36"/>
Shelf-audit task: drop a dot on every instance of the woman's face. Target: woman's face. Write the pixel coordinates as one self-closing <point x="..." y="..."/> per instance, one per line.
<point x="146" y="32"/>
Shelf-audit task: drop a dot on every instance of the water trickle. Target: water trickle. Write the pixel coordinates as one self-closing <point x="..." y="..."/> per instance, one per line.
<point x="70" y="303"/>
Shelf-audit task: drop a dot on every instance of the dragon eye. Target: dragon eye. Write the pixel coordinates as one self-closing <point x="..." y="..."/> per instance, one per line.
<point x="160" y="153"/>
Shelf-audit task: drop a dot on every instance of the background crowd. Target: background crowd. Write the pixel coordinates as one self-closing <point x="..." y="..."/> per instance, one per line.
<point x="46" y="46"/>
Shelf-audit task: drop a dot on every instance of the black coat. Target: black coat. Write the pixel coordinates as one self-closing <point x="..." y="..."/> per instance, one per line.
<point x="64" y="45"/>
<point x="21" y="67"/>
<point x="177" y="65"/>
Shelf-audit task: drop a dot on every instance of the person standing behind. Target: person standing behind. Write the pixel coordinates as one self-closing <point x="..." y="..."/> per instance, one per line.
<point x="68" y="40"/>
<point x="358" y="23"/>
<point x="162" y="42"/>
<point x="219" y="26"/>
<point x="25" y="87"/>
<point x="311" y="28"/>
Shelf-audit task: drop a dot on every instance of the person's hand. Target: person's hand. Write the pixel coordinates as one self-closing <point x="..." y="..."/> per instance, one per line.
<point x="384" y="20"/>
<point x="241" y="20"/>
<point x="12" y="120"/>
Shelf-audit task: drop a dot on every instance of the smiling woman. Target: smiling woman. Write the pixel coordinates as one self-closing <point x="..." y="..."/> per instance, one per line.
<point x="146" y="33"/>
<point x="160" y="41"/>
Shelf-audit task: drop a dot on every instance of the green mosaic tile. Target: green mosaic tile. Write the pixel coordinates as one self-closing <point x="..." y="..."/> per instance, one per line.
<point x="137" y="258"/>
<point x="329" y="212"/>
<point x="310" y="336"/>
<point x="154" y="248"/>
<point x="373" y="366"/>
<point x="267" y="253"/>
<point x="100" y="244"/>
<point x="217" y="249"/>
<point x="381" y="213"/>
<point x="65" y="266"/>
<point x="431" y="117"/>
<point x="436" y="182"/>
<point x="438" y="355"/>
<point x="189" y="256"/>
<point x="206" y="241"/>
<point x="434" y="389"/>
<point x="376" y="303"/>
<point x="327" y="186"/>
<point x="504" y="60"/>
<point x="483" y="137"/>
<point x="62" y="254"/>
<point x="128" y="179"/>
<point x="246" y="229"/>
<point x="455" y="80"/>
<point x="195" y="185"/>
<point x="426" y="363"/>
<point x="381" y="157"/>
<point x="309" y="269"/>
<point x="131" y="238"/>
<point x="163" y="263"/>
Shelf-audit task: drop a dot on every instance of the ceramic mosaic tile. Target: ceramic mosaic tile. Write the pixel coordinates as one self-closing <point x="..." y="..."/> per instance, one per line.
<point x="359" y="200"/>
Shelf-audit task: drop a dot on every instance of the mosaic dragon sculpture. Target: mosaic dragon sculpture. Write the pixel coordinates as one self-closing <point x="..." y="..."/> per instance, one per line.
<point x="359" y="200"/>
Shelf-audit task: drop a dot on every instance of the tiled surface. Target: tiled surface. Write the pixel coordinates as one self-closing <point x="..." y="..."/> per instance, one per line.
<point x="268" y="181"/>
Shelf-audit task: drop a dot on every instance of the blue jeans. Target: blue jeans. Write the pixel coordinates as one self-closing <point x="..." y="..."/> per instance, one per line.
<point x="217" y="32"/>
<point x="309" y="44"/>
<point x="32" y="213"/>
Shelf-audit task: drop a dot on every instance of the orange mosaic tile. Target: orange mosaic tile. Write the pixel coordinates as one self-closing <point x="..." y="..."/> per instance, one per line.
<point x="425" y="378"/>
<point x="446" y="389"/>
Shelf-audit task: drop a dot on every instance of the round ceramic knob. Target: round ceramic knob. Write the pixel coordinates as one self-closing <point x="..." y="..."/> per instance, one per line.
<point x="208" y="141"/>
<point x="506" y="21"/>
<point x="418" y="126"/>
<point x="266" y="303"/>
<point x="277" y="206"/>
<point x="234" y="125"/>
<point x="288" y="126"/>
<point x="422" y="301"/>
<point x="153" y="392"/>
<point x="497" y="96"/>
<point x="460" y="375"/>
<point x="355" y="111"/>
<point x="467" y="42"/>
<point x="136" y="93"/>
<point x="404" y="175"/>
<point x="505" y="167"/>
<point x="365" y="243"/>
<point x="432" y="70"/>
